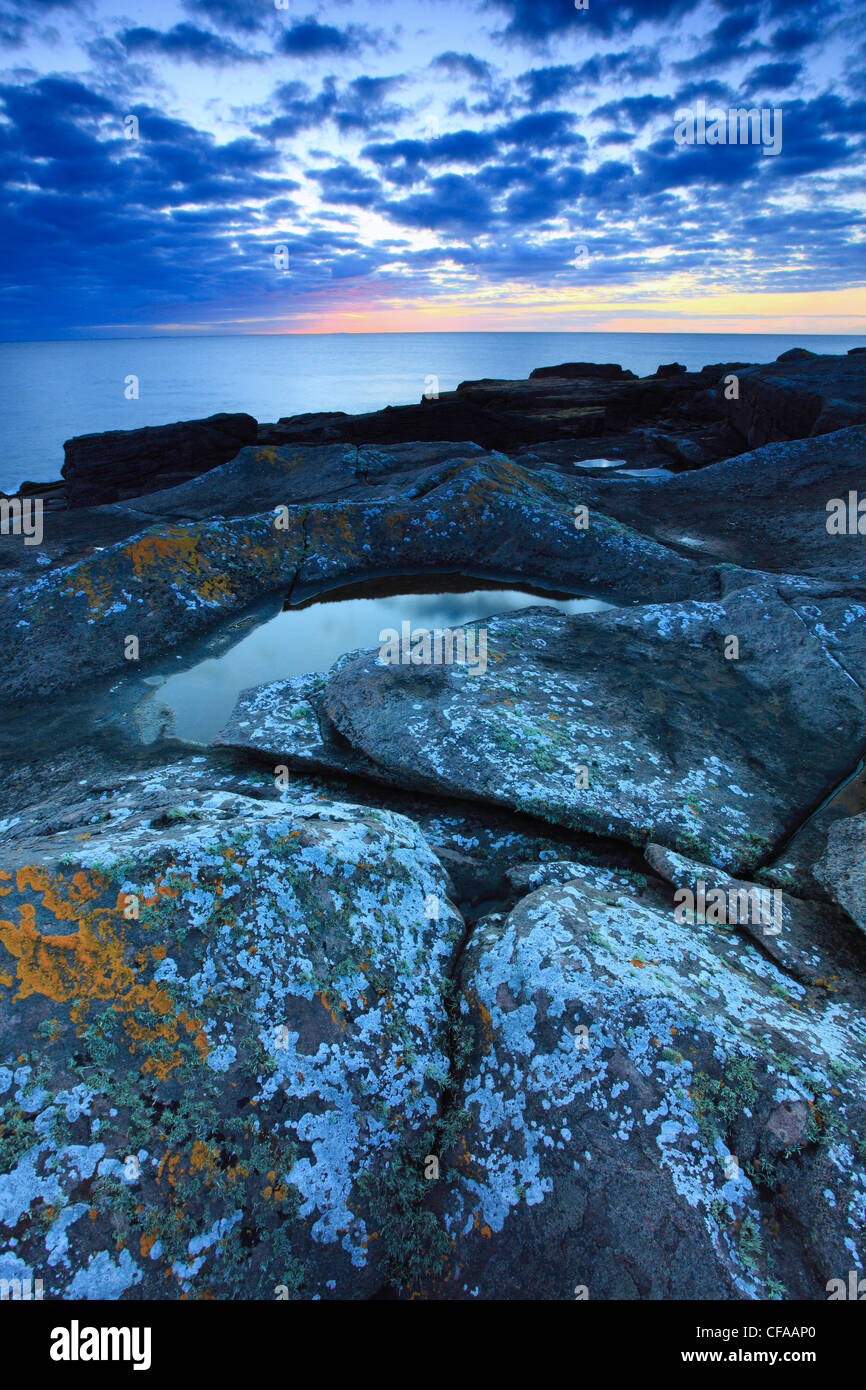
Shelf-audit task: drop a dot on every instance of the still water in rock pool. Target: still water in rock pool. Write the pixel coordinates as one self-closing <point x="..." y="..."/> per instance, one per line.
<point x="301" y="640"/>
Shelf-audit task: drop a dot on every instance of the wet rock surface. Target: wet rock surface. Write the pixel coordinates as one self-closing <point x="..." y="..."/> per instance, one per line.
<point x="417" y="982"/>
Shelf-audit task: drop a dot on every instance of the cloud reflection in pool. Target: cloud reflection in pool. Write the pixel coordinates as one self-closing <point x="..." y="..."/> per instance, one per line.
<point x="301" y="640"/>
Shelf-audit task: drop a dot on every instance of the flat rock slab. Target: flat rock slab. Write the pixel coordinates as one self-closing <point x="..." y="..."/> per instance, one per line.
<point x="263" y="478"/>
<point x="716" y="757"/>
<point x="764" y="510"/>
<point x="215" y="1032"/>
<point x="655" y="1112"/>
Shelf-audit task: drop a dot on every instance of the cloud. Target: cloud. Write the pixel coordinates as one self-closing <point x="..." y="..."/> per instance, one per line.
<point x="307" y="38"/>
<point x="186" y="41"/>
<point x="463" y="65"/>
<point x="362" y="105"/>
<point x="407" y="160"/>
<point x="549" y="84"/>
<point x="99" y="229"/>
<point x="241" y="16"/>
<point x="534" y="22"/>
<point x="343" y="183"/>
<point x="636" y="112"/>
<point x="728" y="42"/>
<point x="772" y="76"/>
<point x="22" y="19"/>
<point x="793" y="38"/>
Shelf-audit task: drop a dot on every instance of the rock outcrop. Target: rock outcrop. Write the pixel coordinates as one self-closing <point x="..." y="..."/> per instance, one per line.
<point x="631" y="723"/>
<point x="653" y="1112"/>
<point x="216" y="1033"/>
<point x="102" y="468"/>
<point x="538" y="972"/>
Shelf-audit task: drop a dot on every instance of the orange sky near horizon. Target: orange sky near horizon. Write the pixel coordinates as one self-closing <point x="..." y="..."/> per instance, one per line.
<point x="520" y="309"/>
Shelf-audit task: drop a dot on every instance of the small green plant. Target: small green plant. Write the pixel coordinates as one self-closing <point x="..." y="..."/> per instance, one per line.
<point x="749" y="1242"/>
<point x="719" y="1101"/>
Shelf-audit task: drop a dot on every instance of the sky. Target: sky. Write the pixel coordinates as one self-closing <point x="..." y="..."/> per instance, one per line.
<point x="272" y="166"/>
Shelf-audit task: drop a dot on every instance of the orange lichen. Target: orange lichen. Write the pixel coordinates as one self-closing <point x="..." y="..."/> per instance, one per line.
<point x="94" y="963"/>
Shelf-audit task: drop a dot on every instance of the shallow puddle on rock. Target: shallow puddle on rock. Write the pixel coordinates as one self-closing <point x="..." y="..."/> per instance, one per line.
<point x="311" y="638"/>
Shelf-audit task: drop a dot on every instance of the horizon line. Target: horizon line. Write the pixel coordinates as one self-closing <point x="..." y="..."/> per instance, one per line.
<point x="442" y="332"/>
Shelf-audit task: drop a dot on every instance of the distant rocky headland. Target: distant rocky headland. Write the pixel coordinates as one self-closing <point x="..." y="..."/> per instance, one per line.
<point x="544" y="979"/>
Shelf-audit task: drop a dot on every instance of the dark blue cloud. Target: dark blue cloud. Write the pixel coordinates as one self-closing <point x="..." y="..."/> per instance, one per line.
<point x="242" y="16"/>
<point x="771" y="77"/>
<point x="635" y="112"/>
<point x="554" y="84"/>
<point x="463" y="65"/>
<point x="452" y="203"/>
<point x="344" y="184"/>
<point x="185" y="41"/>
<point x="406" y="161"/>
<point x="21" y="18"/>
<point x="735" y="37"/>
<point x="536" y="21"/>
<point x="363" y="105"/>
<point x="793" y="38"/>
<point x="307" y="38"/>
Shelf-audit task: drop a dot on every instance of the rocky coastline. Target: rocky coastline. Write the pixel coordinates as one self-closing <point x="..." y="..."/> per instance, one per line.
<point x="546" y="981"/>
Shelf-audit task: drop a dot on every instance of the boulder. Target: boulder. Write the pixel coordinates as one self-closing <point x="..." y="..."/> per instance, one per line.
<point x="222" y="1045"/>
<point x="797" y="397"/>
<point x="654" y="1111"/>
<point x="767" y="509"/>
<point x="585" y="371"/>
<point x="842" y="868"/>
<point x="102" y="468"/>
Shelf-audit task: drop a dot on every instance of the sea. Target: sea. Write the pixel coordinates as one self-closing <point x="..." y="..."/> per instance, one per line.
<point x="51" y="391"/>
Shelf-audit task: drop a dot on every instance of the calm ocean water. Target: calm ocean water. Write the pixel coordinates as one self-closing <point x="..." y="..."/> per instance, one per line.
<point x="52" y="391"/>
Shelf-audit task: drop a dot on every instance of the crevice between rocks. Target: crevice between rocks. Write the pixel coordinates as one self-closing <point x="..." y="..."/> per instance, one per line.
<point x="305" y="544"/>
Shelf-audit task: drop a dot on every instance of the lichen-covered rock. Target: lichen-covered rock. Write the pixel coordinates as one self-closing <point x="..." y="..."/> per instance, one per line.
<point x="217" y="1032"/>
<point x="842" y="868"/>
<point x="174" y="583"/>
<point x="813" y="941"/>
<point x="656" y="1111"/>
<point x="637" y="723"/>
